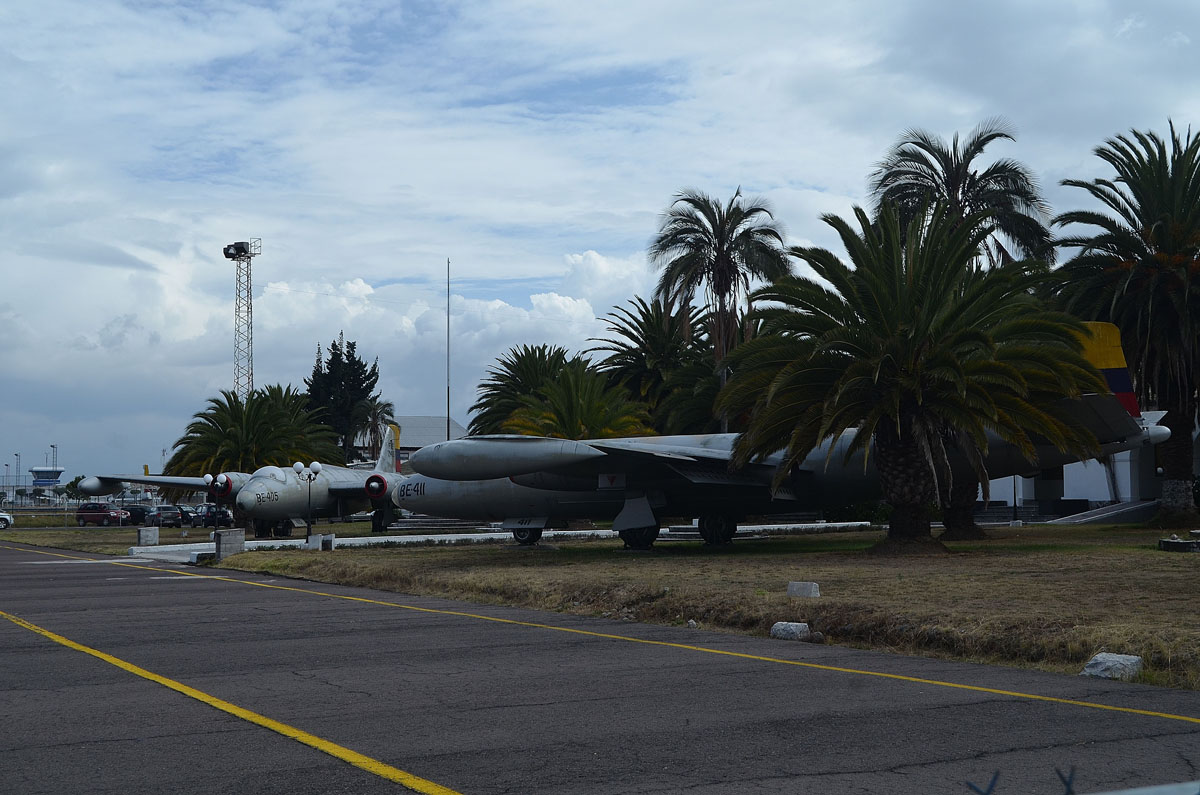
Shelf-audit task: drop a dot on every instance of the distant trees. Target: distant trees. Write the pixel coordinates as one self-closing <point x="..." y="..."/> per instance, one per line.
<point x="718" y="248"/>
<point x="659" y="353"/>
<point x="378" y="414"/>
<point x="342" y="387"/>
<point x="273" y="425"/>
<point x="520" y="372"/>
<point x="579" y="403"/>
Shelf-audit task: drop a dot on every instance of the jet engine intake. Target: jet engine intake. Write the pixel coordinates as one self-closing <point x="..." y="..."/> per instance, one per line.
<point x="376" y="487"/>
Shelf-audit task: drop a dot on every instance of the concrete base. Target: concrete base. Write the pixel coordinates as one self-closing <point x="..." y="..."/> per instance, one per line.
<point x="320" y="541"/>
<point x="147" y="536"/>
<point x="229" y="542"/>
<point x="1177" y="544"/>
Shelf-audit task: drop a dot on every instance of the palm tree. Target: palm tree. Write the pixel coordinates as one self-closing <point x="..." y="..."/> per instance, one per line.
<point x="521" y="371"/>
<point x="922" y="169"/>
<point x="702" y="244"/>
<point x="650" y="343"/>
<point x="912" y="355"/>
<point x="377" y="414"/>
<point x="1140" y="269"/>
<point x="579" y="404"/>
<point x="272" y="426"/>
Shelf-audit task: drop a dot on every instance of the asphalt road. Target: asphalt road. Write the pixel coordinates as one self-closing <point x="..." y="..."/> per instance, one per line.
<point x="478" y="699"/>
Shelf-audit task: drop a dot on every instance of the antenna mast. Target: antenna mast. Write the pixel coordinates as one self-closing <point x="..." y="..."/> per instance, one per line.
<point x="447" y="349"/>
<point x="243" y="316"/>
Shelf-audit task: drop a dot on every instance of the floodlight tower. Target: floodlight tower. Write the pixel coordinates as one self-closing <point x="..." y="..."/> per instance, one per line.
<point x="243" y="316"/>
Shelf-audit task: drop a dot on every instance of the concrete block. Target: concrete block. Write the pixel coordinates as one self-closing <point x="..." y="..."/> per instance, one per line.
<point x="147" y="536"/>
<point x="1113" y="666"/>
<point x="790" y="630"/>
<point x="319" y="541"/>
<point x="229" y="542"/>
<point x="1177" y="544"/>
<point x="803" y="589"/>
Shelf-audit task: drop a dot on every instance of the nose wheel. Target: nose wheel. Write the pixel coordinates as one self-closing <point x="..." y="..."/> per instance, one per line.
<point x="525" y="536"/>
<point x="640" y="538"/>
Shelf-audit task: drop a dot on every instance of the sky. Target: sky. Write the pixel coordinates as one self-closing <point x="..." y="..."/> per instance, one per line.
<point x="534" y="145"/>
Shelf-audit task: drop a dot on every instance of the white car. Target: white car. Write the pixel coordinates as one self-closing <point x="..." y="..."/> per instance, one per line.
<point x="6" y="520"/>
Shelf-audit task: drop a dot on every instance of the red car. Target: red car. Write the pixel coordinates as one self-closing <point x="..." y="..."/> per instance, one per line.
<point x="100" y="513"/>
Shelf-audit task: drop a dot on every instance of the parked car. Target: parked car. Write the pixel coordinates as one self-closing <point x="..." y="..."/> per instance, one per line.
<point x="209" y="515"/>
<point x="100" y="513"/>
<point x="164" y="516"/>
<point x="186" y="512"/>
<point x="137" y="512"/>
<point x="6" y="520"/>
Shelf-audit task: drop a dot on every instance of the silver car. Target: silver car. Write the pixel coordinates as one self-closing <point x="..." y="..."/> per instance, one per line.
<point x="6" y="520"/>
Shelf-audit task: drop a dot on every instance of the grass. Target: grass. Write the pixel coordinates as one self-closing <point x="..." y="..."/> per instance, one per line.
<point x="1039" y="596"/>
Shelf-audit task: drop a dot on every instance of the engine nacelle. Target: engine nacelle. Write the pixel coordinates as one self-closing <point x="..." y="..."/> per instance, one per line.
<point x="95" y="486"/>
<point x="227" y="484"/>
<point x="492" y="457"/>
<point x="376" y="487"/>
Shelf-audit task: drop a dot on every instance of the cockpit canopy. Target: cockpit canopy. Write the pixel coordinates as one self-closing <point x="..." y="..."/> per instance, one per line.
<point x="273" y="472"/>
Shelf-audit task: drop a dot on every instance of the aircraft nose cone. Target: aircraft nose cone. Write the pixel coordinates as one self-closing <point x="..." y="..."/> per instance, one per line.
<point x="247" y="498"/>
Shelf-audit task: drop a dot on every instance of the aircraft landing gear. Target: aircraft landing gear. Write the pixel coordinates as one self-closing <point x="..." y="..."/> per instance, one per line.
<point x="382" y="518"/>
<point x="641" y="538"/>
<point x="717" y="528"/>
<point x="262" y="528"/>
<point x="525" y="536"/>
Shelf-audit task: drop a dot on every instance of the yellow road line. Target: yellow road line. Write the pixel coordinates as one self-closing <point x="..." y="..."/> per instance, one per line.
<point x="360" y="761"/>
<point x="668" y="644"/>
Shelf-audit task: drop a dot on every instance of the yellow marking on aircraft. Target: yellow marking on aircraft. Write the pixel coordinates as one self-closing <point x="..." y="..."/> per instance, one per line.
<point x="687" y="647"/>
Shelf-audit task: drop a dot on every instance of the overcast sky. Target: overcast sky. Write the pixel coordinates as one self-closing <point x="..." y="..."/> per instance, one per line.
<point x="534" y="144"/>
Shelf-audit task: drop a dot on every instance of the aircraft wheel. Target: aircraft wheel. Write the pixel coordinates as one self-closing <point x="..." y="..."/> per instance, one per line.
<point x="82" y="523"/>
<point x="639" y="537"/>
<point x="717" y="528"/>
<point x="527" y="535"/>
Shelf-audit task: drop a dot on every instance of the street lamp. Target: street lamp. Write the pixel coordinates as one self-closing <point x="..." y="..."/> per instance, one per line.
<point x="309" y="474"/>
<point x="17" y="472"/>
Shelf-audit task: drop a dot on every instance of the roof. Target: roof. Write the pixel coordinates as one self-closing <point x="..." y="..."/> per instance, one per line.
<point x="416" y="432"/>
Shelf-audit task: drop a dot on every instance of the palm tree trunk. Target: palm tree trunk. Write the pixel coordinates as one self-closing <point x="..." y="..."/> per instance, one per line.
<point x="907" y="484"/>
<point x="1177" y="504"/>
<point x="958" y="516"/>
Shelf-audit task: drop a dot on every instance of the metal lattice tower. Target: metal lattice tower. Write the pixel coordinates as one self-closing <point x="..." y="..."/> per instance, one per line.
<point x="243" y="317"/>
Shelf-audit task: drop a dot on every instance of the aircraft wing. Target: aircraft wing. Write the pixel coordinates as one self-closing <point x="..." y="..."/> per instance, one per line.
<point x="1106" y="417"/>
<point x="110" y="484"/>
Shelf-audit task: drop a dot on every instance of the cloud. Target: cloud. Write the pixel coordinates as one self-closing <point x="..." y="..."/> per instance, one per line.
<point x="534" y="144"/>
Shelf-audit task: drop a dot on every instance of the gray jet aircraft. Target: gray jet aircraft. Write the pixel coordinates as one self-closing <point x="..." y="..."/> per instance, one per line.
<point x="272" y="496"/>
<point x="532" y="483"/>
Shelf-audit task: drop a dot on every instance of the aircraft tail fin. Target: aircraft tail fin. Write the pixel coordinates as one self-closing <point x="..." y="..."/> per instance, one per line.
<point x="388" y="460"/>
<point x="1103" y="350"/>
